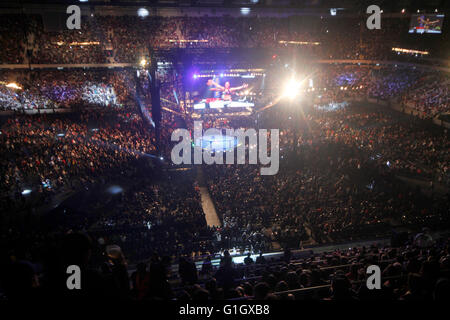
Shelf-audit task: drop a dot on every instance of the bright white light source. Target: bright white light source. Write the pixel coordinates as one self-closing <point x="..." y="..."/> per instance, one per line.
<point x="143" y="62"/>
<point x="245" y="11"/>
<point x="333" y="11"/>
<point x="13" y="85"/>
<point x="142" y="12"/>
<point x="291" y="89"/>
<point x="26" y="191"/>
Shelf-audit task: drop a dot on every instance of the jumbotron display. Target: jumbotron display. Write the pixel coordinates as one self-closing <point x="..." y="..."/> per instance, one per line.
<point x="426" y="23"/>
<point x="225" y="91"/>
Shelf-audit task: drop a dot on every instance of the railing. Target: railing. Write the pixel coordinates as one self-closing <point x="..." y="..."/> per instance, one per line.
<point x="264" y="266"/>
<point x="315" y="288"/>
<point x="320" y="268"/>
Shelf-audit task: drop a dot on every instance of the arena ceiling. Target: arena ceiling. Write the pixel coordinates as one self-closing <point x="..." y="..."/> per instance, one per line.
<point x="352" y="5"/>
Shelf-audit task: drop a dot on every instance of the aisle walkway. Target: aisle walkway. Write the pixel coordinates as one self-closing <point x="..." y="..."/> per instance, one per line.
<point x="212" y="219"/>
<point x="209" y="209"/>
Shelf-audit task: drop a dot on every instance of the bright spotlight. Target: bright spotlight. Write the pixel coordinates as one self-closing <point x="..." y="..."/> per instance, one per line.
<point x="142" y="12"/>
<point x="26" y="191"/>
<point x="291" y="89"/>
<point x="245" y="11"/>
<point x="13" y="85"/>
<point x="143" y="62"/>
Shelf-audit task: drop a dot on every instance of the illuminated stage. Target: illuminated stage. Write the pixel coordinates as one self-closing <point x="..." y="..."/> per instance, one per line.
<point x="216" y="143"/>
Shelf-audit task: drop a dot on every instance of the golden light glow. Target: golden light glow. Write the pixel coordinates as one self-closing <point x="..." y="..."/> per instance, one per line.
<point x="87" y="43"/>
<point x="299" y="42"/>
<point x="409" y="51"/>
<point x="11" y="85"/>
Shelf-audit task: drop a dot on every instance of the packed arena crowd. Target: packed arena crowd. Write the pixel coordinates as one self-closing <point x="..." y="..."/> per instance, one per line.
<point x="421" y="90"/>
<point x="350" y="154"/>
<point x="417" y="271"/>
<point x="349" y="194"/>
<point x="49" y="89"/>
<point x="88" y="177"/>
<point x="52" y="152"/>
<point x="375" y="144"/>
<point x="103" y="39"/>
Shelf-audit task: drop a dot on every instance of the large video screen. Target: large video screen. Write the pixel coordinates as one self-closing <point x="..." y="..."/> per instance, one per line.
<point x="426" y="23"/>
<point x="218" y="92"/>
